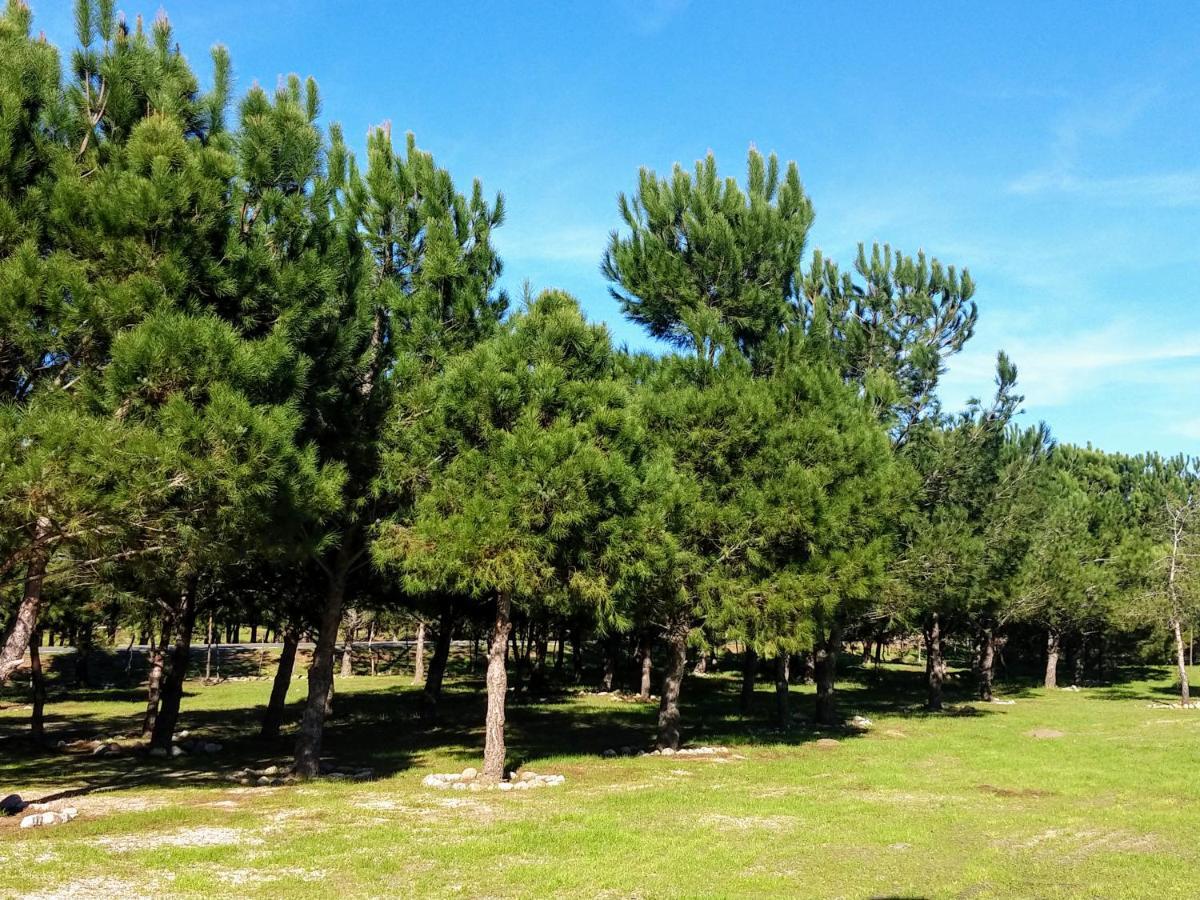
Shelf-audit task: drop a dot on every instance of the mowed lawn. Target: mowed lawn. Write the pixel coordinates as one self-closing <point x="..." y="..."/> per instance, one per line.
<point x="1061" y="794"/>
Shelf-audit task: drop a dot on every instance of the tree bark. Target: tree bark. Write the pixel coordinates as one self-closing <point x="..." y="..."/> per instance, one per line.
<point x="208" y="652"/>
<point x="782" y="683"/>
<point x="749" y="674"/>
<point x="825" y="665"/>
<point x="273" y="717"/>
<point x="419" y="655"/>
<point x="158" y="654"/>
<point x="320" y="671"/>
<point x="1079" y="668"/>
<point x="1181" y="663"/>
<point x="610" y="663"/>
<point x="16" y="642"/>
<point x="987" y="663"/>
<point x="1053" y="642"/>
<point x="38" y="683"/>
<point x="432" y="694"/>
<point x="647" y="666"/>
<point x="668" y="707"/>
<point x="348" y="646"/>
<point x="177" y="667"/>
<point x="497" y="691"/>
<point x="935" y="664"/>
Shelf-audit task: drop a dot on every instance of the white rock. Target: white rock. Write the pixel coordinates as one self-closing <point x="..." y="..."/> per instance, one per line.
<point x="212" y="747"/>
<point x="470" y="773"/>
<point x="271" y="770"/>
<point x="667" y="751"/>
<point x="176" y="750"/>
<point x="159" y="751"/>
<point x="459" y="785"/>
<point x="505" y="786"/>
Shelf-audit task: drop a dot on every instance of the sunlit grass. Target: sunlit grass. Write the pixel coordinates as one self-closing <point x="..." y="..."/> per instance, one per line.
<point x="939" y="806"/>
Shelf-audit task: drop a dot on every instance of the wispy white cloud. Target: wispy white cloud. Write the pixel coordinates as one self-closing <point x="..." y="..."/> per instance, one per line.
<point x="652" y="16"/>
<point x="1162" y="189"/>
<point x="1057" y="369"/>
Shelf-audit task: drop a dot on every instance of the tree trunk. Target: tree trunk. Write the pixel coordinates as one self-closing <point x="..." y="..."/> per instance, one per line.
<point x="935" y="664"/>
<point x="749" y="674"/>
<point x="866" y="653"/>
<point x="83" y="655"/>
<point x="701" y="667"/>
<point x="825" y="674"/>
<point x="497" y="691"/>
<point x="208" y="652"/>
<point x="610" y="663"/>
<point x="878" y="652"/>
<point x="419" y="655"/>
<point x="647" y="666"/>
<point x="987" y="664"/>
<point x="1080" y="661"/>
<point x="576" y="655"/>
<point x="16" y="642"/>
<point x="1180" y="661"/>
<point x="273" y="717"/>
<point x="782" y="682"/>
<point x="348" y="649"/>
<point x="668" y="707"/>
<point x="154" y="675"/>
<point x="560" y="650"/>
<point x="432" y="694"/>
<point x="320" y="670"/>
<point x="1053" y="640"/>
<point x="38" y="683"/>
<point x="177" y="667"/>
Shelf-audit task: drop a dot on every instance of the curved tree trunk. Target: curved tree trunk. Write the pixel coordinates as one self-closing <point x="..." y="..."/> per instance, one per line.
<point x="782" y="713"/>
<point x="1053" y="643"/>
<point x="647" y="666"/>
<point x="273" y="717"/>
<point x="935" y="664"/>
<point x="749" y="675"/>
<point x="177" y="667"/>
<point x="668" y="706"/>
<point x="825" y="674"/>
<point x="158" y="654"/>
<point x="1181" y="663"/>
<point x="987" y="663"/>
<point x="497" y="691"/>
<point x="16" y="642"/>
<point x="320" y="671"/>
<point x="432" y="694"/>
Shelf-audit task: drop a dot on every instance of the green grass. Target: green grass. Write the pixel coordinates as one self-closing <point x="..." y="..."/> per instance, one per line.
<point x="967" y="805"/>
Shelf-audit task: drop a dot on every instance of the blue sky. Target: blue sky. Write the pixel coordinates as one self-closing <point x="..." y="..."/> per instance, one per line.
<point x="1053" y="148"/>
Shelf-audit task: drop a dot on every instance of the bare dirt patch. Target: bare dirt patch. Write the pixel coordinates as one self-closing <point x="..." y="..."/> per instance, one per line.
<point x="749" y="823"/>
<point x="204" y="836"/>
<point x="1031" y="793"/>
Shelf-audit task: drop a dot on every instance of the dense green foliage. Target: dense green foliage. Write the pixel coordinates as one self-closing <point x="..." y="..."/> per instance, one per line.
<point x="244" y="379"/>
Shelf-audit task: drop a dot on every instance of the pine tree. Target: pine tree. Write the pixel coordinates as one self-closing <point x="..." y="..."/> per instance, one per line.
<point x="525" y="445"/>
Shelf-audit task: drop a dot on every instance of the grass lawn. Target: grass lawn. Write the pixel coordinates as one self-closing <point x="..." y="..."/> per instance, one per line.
<point x="965" y="804"/>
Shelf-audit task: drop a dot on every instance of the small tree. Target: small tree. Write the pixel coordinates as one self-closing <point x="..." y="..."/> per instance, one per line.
<point x="515" y="456"/>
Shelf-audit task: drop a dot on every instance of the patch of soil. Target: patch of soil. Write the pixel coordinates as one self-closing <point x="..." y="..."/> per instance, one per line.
<point x="1015" y="792"/>
<point x="205" y="836"/>
<point x="1046" y="733"/>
